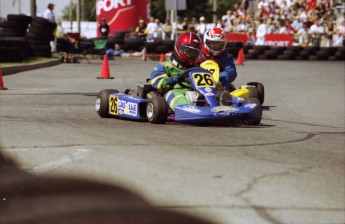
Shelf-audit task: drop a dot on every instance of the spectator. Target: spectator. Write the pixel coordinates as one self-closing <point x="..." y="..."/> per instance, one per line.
<point x="219" y="24"/>
<point x="49" y="13"/>
<point x="297" y="23"/>
<point x="226" y="26"/>
<point x="316" y="31"/>
<point x="50" y="16"/>
<point x="260" y="33"/>
<point x="251" y="35"/>
<point x="59" y="33"/>
<point x="202" y="26"/>
<point x="141" y="30"/>
<point x="104" y="28"/>
<point x="242" y="26"/>
<point x="167" y="30"/>
<point x="150" y="29"/>
<point x="177" y="26"/>
<point x="270" y="28"/>
<point x="340" y="37"/>
<point x="158" y="29"/>
<point x="185" y="24"/>
<point x="117" y="51"/>
<point x="302" y="35"/>
<point x="227" y="18"/>
<point x="329" y="31"/>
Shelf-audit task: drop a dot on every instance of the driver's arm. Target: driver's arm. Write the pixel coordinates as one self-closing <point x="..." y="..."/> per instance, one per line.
<point x="229" y="66"/>
<point x="161" y="80"/>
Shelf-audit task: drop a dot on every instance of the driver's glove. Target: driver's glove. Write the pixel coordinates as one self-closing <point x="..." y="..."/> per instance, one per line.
<point x="179" y="77"/>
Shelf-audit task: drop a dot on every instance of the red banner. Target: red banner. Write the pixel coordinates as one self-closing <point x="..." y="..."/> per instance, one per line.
<point x="237" y="37"/>
<point x="122" y="15"/>
<point x="278" y="39"/>
<point x="271" y="39"/>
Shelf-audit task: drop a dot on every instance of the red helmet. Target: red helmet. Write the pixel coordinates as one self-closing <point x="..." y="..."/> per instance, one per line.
<point x="214" y="41"/>
<point x="187" y="49"/>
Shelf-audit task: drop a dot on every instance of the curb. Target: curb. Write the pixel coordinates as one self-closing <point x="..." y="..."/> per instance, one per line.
<point x="21" y="68"/>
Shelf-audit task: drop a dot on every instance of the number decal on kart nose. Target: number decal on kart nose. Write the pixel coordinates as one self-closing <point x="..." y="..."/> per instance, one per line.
<point x="203" y="80"/>
<point x="113" y="107"/>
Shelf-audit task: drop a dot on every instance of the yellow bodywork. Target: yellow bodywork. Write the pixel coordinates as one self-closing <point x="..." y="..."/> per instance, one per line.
<point x="213" y="67"/>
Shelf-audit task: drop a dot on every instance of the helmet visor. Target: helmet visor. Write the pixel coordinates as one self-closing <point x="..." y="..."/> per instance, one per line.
<point x="216" y="45"/>
<point x="190" y="52"/>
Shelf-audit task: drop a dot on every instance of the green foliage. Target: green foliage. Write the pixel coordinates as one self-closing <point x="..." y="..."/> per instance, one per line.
<point x="158" y="9"/>
<point x="87" y="12"/>
<point x="196" y="8"/>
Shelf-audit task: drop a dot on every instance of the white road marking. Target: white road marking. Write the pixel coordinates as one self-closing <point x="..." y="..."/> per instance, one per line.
<point x="76" y="155"/>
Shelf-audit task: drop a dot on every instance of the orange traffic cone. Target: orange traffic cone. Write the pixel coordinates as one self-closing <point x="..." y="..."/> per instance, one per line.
<point x="144" y="55"/>
<point x="105" y="74"/>
<point x="1" y="81"/>
<point x="162" y="58"/>
<point x="240" y="57"/>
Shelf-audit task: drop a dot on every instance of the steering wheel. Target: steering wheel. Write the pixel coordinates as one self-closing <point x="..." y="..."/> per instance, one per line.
<point x="185" y="75"/>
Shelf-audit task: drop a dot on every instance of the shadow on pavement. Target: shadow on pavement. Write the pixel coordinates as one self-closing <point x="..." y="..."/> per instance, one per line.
<point x="27" y="198"/>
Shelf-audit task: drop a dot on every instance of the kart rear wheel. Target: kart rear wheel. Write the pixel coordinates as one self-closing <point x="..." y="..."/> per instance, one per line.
<point x="258" y="120"/>
<point x="102" y="102"/>
<point x="261" y="90"/>
<point x="157" y="110"/>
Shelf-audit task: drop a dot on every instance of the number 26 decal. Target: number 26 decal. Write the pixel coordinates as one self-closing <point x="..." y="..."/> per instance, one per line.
<point x="203" y="79"/>
<point x="113" y="105"/>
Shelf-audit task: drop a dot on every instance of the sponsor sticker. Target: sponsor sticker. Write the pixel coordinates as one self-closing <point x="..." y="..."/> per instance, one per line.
<point x="209" y="94"/>
<point x="250" y="105"/>
<point x="128" y="108"/>
<point x="224" y="109"/>
<point x="191" y="109"/>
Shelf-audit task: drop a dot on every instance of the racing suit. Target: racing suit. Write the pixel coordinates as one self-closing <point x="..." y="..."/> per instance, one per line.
<point x="162" y="80"/>
<point x="229" y="74"/>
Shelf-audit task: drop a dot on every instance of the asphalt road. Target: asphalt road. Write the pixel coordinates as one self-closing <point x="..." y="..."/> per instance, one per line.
<point x="289" y="169"/>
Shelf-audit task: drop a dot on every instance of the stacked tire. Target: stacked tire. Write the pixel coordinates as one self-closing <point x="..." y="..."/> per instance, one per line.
<point x="14" y="49"/>
<point x="233" y="48"/>
<point x="15" y="26"/>
<point x="41" y="32"/>
<point x="13" y="44"/>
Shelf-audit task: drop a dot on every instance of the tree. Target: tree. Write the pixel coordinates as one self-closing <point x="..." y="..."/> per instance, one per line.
<point x="88" y="12"/>
<point x="196" y="8"/>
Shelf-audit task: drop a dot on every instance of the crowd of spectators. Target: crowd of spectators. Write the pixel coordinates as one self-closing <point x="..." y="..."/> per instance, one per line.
<point x="310" y="22"/>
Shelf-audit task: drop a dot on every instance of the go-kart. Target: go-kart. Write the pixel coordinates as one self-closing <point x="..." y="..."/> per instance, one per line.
<point x="251" y="89"/>
<point x="209" y="103"/>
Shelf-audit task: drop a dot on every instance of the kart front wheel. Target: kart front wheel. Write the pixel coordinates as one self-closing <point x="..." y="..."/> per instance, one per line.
<point x="260" y="89"/>
<point x="257" y="120"/>
<point x="102" y="102"/>
<point x="157" y="110"/>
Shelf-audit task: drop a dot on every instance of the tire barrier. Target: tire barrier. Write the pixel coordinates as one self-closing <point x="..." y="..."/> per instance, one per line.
<point x="40" y="33"/>
<point x="22" y="36"/>
<point x="13" y="44"/>
<point x="310" y="53"/>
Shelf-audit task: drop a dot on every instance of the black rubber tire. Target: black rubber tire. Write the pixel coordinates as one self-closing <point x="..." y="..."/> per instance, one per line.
<point x="272" y="54"/>
<point x="103" y="96"/>
<point x="162" y="49"/>
<point x="260" y="90"/>
<point x="157" y="110"/>
<point x="253" y="93"/>
<point x="257" y="121"/>
<point x="22" y="19"/>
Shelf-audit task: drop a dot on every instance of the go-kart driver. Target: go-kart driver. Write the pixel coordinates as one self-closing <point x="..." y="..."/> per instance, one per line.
<point x="166" y="75"/>
<point x="213" y="48"/>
